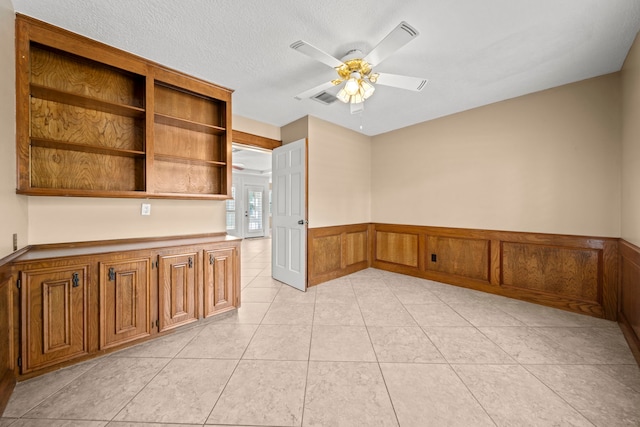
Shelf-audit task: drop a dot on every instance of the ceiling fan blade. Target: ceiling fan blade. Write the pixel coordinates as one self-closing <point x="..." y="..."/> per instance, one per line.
<point x="403" y="82"/>
<point x="398" y="37"/>
<point x="309" y="93"/>
<point x="315" y="53"/>
<point x="356" y="108"/>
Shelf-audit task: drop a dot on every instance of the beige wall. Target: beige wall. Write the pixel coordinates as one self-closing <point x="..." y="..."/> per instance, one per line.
<point x="631" y="146"/>
<point x="339" y="175"/>
<point x="244" y="124"/>
<point x="295" y="131"/>
<point x="13" y="208"/>
<point x="545" y="162"/>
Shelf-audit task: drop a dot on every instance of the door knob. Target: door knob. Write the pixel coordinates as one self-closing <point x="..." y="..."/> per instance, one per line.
<point x="301" y="222"/>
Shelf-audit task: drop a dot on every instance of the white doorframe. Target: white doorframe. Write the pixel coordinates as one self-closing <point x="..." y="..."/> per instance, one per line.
<point x="251" y="216"/>
<point x="289" y="213"/>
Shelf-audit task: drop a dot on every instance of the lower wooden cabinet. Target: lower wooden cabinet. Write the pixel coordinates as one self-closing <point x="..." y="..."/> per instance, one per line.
<point x="219" y="280"/>
<point x="124" y="301"/>
<point x="79" y="300"/>
<point x="177" y="290"/>
<point x="54" y="315"/>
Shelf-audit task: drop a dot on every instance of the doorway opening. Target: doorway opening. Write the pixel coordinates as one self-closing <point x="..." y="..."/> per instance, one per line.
<point x="249" y="211"/>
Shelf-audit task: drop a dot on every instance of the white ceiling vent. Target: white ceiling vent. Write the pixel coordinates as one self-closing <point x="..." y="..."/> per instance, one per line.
<point x="325" y="98"/>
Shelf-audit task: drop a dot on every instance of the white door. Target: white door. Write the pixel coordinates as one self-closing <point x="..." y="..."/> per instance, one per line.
<point x="289" y="234"/>
<point x="254" y="204"/>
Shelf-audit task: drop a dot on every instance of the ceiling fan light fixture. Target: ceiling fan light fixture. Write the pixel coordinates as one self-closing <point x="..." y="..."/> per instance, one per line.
<point x="366" y="89"/>
<point x="352" y="86"/>
<point x="343" y="96"/>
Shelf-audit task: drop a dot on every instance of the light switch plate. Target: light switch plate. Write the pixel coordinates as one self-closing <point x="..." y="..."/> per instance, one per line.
<point x="146" y="209"/>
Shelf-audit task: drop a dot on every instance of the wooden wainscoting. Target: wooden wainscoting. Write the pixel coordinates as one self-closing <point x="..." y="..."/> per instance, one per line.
<point x="629" y="295"/>
<point x="570" y="272"/>
<point x="337" y="251"/>
<point x="7" y="353"/>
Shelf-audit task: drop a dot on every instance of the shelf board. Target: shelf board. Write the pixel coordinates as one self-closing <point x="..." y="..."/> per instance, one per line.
<point x="56" y="95"/>
<point x="188" y="124"/>
<point x="189" y="160"/>
<point x="64" y="192"/>
<point x="72" y="146"/>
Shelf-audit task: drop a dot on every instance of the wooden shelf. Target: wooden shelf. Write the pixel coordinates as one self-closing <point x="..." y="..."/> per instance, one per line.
<point x="188" y="124"/>
<point x="188" y="160"/>
<point x="96" y="149"/>
<point x="91" y="120"/>
<point x="56" y="95"/>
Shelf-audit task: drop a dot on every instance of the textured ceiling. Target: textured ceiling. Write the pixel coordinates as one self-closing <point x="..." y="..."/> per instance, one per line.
<point x="473" y="52"/>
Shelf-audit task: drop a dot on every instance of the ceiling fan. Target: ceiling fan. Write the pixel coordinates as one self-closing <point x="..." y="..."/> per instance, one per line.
<point x="356" y="70"/>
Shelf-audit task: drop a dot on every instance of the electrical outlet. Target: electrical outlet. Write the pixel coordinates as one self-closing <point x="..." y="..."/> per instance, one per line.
<point x="146" y="209"/>
<point x="15" y="241"/>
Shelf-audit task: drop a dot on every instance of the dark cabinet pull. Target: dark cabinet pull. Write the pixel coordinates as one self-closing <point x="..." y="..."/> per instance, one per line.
<point x="211" y="261"/>
<point x="190" y="262"/>
<point x="112" y="274"/>
<point x="75" y="279"/>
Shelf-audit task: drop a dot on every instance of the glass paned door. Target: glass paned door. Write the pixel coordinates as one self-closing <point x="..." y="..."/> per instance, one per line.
<point x="254" y="211"/>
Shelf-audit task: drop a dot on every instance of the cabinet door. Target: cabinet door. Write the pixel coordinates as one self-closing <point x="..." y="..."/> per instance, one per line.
<point x="219" y="279"/>
<point x="177" y="290"/>
<point x="124" y="301"/>
<point x="54" y="315"/>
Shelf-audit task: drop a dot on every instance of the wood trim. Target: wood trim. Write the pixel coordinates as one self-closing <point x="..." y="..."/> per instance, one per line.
<point x="575" y="273"/>
<point x="629" y="295"/>
<point x="255" y="140"/>
<point x="337" y="251"/>
<point x="7" y="341"/>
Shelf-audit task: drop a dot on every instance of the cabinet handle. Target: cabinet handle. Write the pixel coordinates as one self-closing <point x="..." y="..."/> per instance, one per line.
<point x="190" y="262"/>
<point x="112" y="274"/>
<point x="211" y="261"/>
<point x="75" y="279"/>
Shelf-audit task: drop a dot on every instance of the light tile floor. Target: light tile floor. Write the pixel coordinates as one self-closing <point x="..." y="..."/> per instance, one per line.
<point x="370" y="349"/>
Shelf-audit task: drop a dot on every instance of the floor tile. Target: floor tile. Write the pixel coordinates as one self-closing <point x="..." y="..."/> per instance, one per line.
<point x="6" y="422"/>
<point x="167" y="346"/>
<point x="592" y="345"/>
<point x="539" y="315"/>
<point x="414" y="295"/>
<point x="528" y="346"/>
<point x="485" y="315"/>
<point x="289" y="295"/>
<point x="263" y="392"/>
<point x="259" y="294"/>
<point x="264" y="282"/>
<point x="466" y="345"/>
<point x="137" y="424"/>
<point x="280" y="342"/>
<point x="289" y="314"/>
<point x="597" y="396"/>
<point x="347" y="394"/>
<point x="403" y="344"/>
<point x="341" y="343"/>
<point x="248" y="313"/>
<point x="101" y="392"/>
<point x="338" y="314"/>
<point x="385" y="313"/>
<point x="219" y="341"/>
<point x="337" y="291"/>
<point x="431" y="395"/>
<point x="514" y="397"/>
<point x="629" y="375"/>
<point x="56" y="423"/>
<point x="436" y="315"/>
<point x="28" y="394"/>
<point x="183" y="392"/>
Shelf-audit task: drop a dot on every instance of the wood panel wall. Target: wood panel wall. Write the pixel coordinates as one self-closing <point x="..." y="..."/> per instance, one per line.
<point x="629" y="295"/>
<point x="337" y="251"/>
<point x="574" y="273"/>
<point x="7" y="377"/>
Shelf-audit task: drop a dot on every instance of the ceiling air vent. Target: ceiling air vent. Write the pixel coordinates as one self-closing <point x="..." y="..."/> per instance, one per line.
<point x="325" y="98"/>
